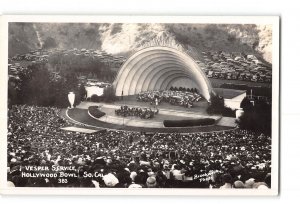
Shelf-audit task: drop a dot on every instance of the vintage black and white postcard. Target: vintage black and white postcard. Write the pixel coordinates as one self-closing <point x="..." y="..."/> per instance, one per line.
<point x="140" y="105"/>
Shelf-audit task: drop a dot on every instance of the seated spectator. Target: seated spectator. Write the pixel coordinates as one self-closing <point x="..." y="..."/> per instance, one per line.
<point x="177" y="173"/>
<point x="249" y="183"/>
<point x="238" y="184"/>
<point x="268" y="180"/>
<point x="143" y="113"/>
<point x="151" y="182"/>
<point x="135" y="186"/>
<point x="128" y="159"/>
<point x="110" y="180"/>
<point x="227" y="179"/>
<point x="180" y="98"/>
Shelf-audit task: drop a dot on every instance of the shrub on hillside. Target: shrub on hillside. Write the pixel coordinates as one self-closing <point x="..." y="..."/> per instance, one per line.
<point x="95" y="98"/>
<point x="228" y="112"/>
<point x="94" y="111"/>
<point x="189" y="123"/>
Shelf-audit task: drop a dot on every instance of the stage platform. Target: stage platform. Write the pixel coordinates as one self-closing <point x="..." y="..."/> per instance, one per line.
<point x="156" y="122"/>
<point x="80" y="118"/>
<point x="166" y="112"/>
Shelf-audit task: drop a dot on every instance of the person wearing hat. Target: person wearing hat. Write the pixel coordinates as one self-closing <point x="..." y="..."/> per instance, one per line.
<point x="133" y="175"/>
<point x="249" y="183"/>
<point x="176" y="172"/>
<point x="238" y="184"/>
<point x="161" y="179"/>
<point x="134" y="185"/>
<point x="151" y="182"/>
<point x="258" y="184"/>
<point x="110" y="180"/>
<point x="141" y="178"/>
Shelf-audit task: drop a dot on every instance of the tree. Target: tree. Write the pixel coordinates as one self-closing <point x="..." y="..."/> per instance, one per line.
<point x="82" y="92"/>
<point x="257" y="118"/>
<point x="246" y="104"/>
<point x="12" y="94"/>
<point x="37" y="88"/>
<point x="71" y="82"/>
<point x="109" y="94"/>
<point x="59" y="93"/>
<point x="216" y="105"/>
<point x="35" y="85"/>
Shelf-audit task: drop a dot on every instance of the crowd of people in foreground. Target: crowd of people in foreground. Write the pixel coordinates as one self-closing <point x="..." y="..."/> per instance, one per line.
<point x="143" y="113"/>
<point x="179" y="98"/>
<point x="122" y="159"/>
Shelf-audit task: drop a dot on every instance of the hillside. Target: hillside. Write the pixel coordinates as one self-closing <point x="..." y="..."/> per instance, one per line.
<point x="22" y="38"/>
<point x="123" y="39"/>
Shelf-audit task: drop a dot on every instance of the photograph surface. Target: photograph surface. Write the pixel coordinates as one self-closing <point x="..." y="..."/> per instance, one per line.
<point x="179" y="106"/>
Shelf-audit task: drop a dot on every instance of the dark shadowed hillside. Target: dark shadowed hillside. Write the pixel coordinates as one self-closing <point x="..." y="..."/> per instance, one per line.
<point x="22" y="38"/>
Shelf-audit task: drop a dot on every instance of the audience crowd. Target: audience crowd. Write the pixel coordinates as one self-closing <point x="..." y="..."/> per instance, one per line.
<point x="143" y="113"/>
<point x="123" y="159"/>
<point x="179" y="98"/>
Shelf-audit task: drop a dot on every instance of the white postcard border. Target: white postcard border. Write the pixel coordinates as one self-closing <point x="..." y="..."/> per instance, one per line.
<point x="274" y="20"/>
